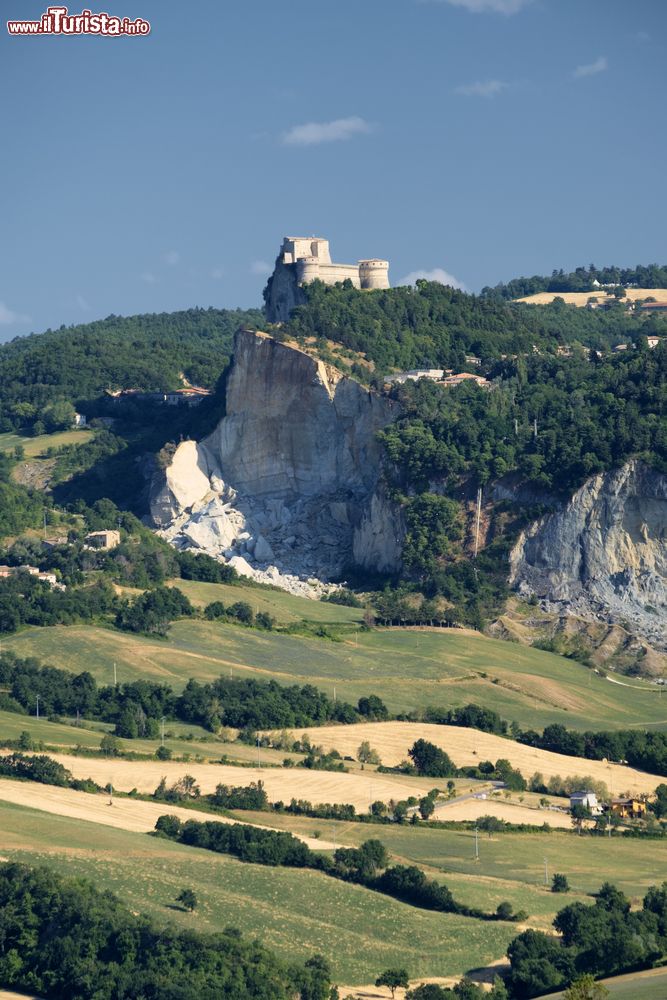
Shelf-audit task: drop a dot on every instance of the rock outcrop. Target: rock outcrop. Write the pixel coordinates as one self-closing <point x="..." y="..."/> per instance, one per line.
<point x="604" y="553"/>
<point x="288" y="487"/>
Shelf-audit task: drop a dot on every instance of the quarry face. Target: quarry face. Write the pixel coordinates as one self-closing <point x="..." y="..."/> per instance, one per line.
<point x="288" y="487"/>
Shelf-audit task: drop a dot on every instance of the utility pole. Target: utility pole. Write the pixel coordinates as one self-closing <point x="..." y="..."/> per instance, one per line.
<point x="259" y="762"/>
<point x="37" y="712"/>
<point x="115" y="682"/>
<point x="535" y="428"/>
<point x="477" y="519"/>
<point x="110" y="794"/>
<point x="476" y="844"/>
<point x="516" y="427"/>
<point x="334" y="692"/>
<point x="162" y="722"/>
<point x="546" y="872"/>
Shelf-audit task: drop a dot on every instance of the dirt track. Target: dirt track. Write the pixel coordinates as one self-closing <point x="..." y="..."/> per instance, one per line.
<point x="467" y="747"/>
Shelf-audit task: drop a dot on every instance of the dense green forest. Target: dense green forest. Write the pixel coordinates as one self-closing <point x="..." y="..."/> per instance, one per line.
<point x="434" y="325"/>
<point x="63" y="938"/>
<point x="581" y="280"/>
<point x="147" y="352"/>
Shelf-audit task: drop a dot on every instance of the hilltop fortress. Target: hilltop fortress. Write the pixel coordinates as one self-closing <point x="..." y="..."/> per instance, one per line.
<point x="307" y="258"/>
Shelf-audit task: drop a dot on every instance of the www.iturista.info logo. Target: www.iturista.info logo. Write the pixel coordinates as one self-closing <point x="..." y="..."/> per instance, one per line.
<point x="58" y="21"/>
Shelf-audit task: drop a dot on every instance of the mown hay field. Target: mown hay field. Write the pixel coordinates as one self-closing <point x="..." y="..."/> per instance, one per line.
<point x="281" y="784"/>
<point x="468" y="747"/>
<point x="581" y="298"/>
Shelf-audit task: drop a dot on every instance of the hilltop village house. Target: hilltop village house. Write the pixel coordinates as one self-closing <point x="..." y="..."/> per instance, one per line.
<point x="442" y="376"/>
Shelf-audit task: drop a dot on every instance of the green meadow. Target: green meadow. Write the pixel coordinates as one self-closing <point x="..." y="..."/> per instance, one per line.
<point x="408" y="669"/>
<point x="294" y="912"/>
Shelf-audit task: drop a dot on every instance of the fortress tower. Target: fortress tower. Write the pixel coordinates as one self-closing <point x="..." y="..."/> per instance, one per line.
<point x="307" y="258"/>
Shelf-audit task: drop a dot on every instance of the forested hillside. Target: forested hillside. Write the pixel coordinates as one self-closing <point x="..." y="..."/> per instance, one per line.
<point x="434" y="325"/>
<point x="146" y="352"/>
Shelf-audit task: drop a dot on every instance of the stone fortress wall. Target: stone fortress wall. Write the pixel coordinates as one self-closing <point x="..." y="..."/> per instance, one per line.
<point x="303" y="259"/>
<point x="313" y="260"/>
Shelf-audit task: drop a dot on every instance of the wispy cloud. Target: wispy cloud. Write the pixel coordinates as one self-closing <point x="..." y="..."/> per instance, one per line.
<point x="8" y="316"/>
<point x="82" y="303"/>
<point x="149" y="277"/>
<point x="172" y="257"/>
<point x="493" y="6"/>
<point x="591" y="69"/>
<point x="436" y="274"/>
<point x="260" y="267"/>
<point x="481" y="88"/>
<point x="217" y="273"/>
<point x="313" y="133"/>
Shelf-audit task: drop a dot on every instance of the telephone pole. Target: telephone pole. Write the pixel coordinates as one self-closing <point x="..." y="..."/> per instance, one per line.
<point x="37" y="712"/>
<point x="476" y="844"/>
<point x="546" y="872"/>
<point x="162" y="722"/>
<point x="114" y="674"/>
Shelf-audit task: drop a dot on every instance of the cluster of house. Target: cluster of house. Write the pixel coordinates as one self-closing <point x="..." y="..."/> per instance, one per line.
<point x="652" y="341"/>
<point x="190" y="396"/>
<point x="50" y="578"/>
<point x="443" y="376"/>
<point x="625" y="808"/>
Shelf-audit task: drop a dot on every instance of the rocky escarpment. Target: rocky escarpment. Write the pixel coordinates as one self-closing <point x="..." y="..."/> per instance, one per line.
<point x="604" y="553"/>
<point x="288" y="486"/>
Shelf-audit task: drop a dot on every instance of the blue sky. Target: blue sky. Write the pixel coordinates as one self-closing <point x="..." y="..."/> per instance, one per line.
<point x="483" y="139"/>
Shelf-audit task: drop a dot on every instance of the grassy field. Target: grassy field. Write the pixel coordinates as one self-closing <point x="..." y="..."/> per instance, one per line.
<point x="510" y="866"/>
<point x="285" y="608"/>
<point x="581" y="298"/>
<point x="648" y="985"/>
<point x="293" y="912"/>
<point x="35" y="447"/>
<point x="408" y="668"/>
<point x="468" y="747"/>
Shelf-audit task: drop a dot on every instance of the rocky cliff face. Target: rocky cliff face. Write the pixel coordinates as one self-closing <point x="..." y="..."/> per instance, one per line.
<point x="604" y="553"/>
<point x="287" y="488"/>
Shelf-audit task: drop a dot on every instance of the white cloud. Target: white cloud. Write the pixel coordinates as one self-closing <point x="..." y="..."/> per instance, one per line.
<point x="8" y="316"/>
<point x="494" y="6"/>
<point x="315" y="132"/>
<point x="172" y="258"/>
<point x="591" y="69"/>
<point x="82" y="303"/>
<point x="217" y="273"/>
<point x="481" y="88"/>
<point x="149" y="278"/>
<point x="260" y="267"/>
<point x="436" y="274"/>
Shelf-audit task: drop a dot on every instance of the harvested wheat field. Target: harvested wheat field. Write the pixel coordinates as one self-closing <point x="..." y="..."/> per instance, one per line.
<point x="125" y="814"/>
<point x="471" y="808"/>
<point x="280" y="783"/>
<point x="581" y="298"/>
<point x="466" y="747"/>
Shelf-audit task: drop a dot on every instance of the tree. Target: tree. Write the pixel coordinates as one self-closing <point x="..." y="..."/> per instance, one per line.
<point x="25" y="740"/>
<point x="111" y="745"/>
<point x="585" y="988"/>
<point x="393" y="978"/>
<point x="188" y="899"/>
<point x="430" y="760"/>
<point x="559" y="883"/>
<point x="426" y="807"/>
<point x="163" y="753"/>
<point x="366" y="754"/>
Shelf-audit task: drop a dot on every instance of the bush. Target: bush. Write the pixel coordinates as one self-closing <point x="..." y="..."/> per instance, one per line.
<point x="559" y="883"/>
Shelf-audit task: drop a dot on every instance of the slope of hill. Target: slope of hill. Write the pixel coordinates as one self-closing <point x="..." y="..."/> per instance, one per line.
<point x="151" y="351"/>
<point x="469" y="747"/>
<point x="409" y="669"/>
